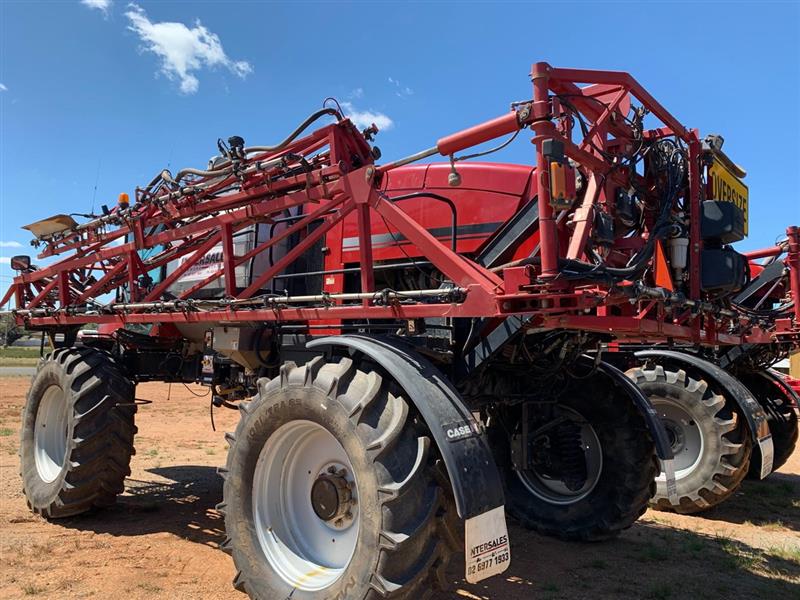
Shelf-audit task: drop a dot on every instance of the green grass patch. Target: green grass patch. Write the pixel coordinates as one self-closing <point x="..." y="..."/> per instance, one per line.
<point x="737" y="558"/>
<point x="20" y="356"/>
<point x="18" y="362"/>
<point x="790" y="554"/>
<point x="22" y="352"/>
<point x="652" y="553"/>
<point x="695" y="545"/>
<point x="598" y="564"/>
<point x="6" y="431"/>
<point x="31" y="589"/>
<point x="662" y="591"/>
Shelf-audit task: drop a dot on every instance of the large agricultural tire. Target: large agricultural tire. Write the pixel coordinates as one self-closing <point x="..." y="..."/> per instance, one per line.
<point x="331" y="490"/>
<point x="710" y="440"/>
<point x="781" y="418"/>
<point x="77" y="433"/>
<point x="623" y="482"/>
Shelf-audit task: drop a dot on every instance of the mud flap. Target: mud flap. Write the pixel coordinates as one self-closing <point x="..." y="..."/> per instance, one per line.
<point x="486" y="546"/>
<point x="767" y="455"/>
<point x="729" y="387"/>
<point x="668" y="468"/>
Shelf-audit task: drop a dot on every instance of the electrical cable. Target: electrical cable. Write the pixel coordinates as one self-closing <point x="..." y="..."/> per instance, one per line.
<point x="668" y="160"/>
<point x="491" y="150"/>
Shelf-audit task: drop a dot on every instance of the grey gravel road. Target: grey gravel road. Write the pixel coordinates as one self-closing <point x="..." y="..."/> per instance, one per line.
<point x="16" y="371"/>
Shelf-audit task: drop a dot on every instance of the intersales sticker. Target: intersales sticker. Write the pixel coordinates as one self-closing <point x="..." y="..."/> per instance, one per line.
<point x="668" y="468"/>
<point x="486" y="545"/>
<point x="767" y="455"/>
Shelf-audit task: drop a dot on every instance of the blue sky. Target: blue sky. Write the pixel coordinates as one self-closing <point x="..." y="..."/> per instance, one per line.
<point x="98" y="96"/>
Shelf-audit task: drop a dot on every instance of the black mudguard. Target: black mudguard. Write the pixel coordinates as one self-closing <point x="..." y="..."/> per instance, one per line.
<point x="654" y="423"/>
<point x="642" y="402"/>
<point x="477" y="486"/>
<point x="730" y="387"/>
<point x="788" y="392"/>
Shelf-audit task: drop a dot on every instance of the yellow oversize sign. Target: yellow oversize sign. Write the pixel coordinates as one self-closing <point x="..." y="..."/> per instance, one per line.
<point x="728" y="187"/>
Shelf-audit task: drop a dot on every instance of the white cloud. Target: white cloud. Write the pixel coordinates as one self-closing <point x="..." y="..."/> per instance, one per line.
<point x="365" y="118"/>
<point x="357" y="93"/>
<point x="401" y="91"/>
<point x="3" y="88"/>
<point x="10" y="245"/>
<point x="183" y="51"/>
<point x="101" y="5"/>
<point x="5" y="260"/>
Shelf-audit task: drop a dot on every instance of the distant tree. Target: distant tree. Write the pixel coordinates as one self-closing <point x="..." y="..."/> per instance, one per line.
<point x="10" y="332"/>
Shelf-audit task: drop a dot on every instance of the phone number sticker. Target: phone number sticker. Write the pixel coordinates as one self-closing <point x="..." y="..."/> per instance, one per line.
<point x="488" y="552"/>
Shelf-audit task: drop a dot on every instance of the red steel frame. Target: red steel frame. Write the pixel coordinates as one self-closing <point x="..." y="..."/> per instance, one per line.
<point x="343" y="179"/>
<point x="787" y="329"/>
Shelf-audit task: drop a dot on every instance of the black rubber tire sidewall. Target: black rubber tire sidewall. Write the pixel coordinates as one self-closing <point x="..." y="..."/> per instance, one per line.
<point x="626" y="481"/>
<point x="725" y="455"/>
<point x="42" y="493"/>
<point x="781" y="418"/>
<point x="275" y="410"/>
<point x="706" y="465"/>
<point x="100" y="408"/>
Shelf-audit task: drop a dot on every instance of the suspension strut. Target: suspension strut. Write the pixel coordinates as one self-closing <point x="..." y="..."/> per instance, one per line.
<point x="569" y="446"/>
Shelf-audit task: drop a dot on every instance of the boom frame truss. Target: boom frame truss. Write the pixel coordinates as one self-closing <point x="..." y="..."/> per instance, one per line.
<point x="331" y="173"/>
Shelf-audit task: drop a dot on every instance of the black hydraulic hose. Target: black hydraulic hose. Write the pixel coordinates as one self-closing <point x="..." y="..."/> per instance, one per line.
<point x="154" y="181"/>
<point x="446" y="200"/>
<point x="292" y="136"/>
<point x="581" y="269"/>
<point x="201" y="173"/>
<point x="224" y="167"/>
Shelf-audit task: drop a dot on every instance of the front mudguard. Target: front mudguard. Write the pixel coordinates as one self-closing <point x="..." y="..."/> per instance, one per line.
<point x="477" y="486"/>
<point x="728" y="386"/>
<point x="474" y="477"/>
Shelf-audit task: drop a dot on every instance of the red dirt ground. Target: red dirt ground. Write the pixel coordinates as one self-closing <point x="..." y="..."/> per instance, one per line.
<point x="160" y="541"/>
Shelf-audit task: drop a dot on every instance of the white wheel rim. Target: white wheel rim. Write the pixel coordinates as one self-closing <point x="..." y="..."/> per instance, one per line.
<point x="686" y="437"/>
<point x="308" y="553"/>
<point x="50" y="434"/>
<point x="554" y="491"/>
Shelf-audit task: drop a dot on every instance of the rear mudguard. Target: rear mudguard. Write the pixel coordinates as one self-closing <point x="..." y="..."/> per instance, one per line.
<point x="724" y="383"/>
<point x="788" y="391"/>
<point x="642" y="402"/>
<point x="476" y="482"/>
<point x="650" y="415"/>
